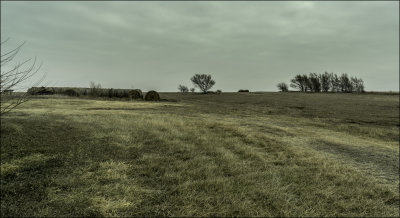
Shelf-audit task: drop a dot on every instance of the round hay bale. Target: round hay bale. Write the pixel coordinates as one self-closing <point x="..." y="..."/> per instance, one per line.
<point x="136" y="94"/>
<point x="152" y="96"/>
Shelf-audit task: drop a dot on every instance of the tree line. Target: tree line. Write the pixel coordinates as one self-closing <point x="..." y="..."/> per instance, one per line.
<point x="326" y="82"/>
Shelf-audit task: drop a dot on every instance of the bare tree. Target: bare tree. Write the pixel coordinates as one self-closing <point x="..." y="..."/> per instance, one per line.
<point x="12" y="78"/>
<point x="360" y="86"/>
<point x="300" y="82"/>
<point x="345" y="83"/>
<point x="325" y="81"/>
<point x="314" y="83"/>
<point x="203" y="81"/>
<point x="335" y="82"/>
<point x="283" y="87"/>
<point x="357" y="84"/>
<point x="183" y="88"/>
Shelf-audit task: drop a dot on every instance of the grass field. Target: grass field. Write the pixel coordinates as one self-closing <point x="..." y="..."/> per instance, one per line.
<point x="233" y="154"/>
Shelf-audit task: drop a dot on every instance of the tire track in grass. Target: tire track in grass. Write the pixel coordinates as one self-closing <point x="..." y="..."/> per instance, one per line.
<point x="294" y="162"/>
<point x="376" y="162"/>
<point x="368" y="155"/>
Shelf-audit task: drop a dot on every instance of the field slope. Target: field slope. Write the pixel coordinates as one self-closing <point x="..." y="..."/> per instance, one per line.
<point x="233" y="154"/>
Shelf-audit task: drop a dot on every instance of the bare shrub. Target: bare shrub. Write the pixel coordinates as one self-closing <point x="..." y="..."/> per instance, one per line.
<point x="183" y="88"/>
<point x="283" y="87"/>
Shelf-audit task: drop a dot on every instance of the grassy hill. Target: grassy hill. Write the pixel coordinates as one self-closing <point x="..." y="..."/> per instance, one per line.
<point x="229" y="154"/>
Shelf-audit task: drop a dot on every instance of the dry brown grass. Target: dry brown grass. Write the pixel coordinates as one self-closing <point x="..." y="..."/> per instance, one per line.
<point x="233" y="154"/>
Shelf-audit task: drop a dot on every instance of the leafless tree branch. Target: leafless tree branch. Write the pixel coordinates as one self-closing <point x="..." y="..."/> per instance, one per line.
<point x="12" y="79"/>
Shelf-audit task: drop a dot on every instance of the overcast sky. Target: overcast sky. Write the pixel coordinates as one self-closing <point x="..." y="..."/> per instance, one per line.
<point x="243" y="45"/>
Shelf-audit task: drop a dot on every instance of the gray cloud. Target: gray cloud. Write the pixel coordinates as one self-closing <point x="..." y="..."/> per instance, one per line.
<point x="253" y="45"/>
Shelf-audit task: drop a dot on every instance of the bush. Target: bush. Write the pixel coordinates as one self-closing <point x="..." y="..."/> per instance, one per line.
<point x="283" y="87"/>
<point x="152" y="96"/>
<point x="219" y="91"/>
<point x="183" y="88"/>
<point x="243" y="90"/>
<point x="72" y="92"/>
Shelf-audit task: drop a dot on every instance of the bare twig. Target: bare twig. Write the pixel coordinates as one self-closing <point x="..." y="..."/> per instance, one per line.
<point x="12" y="79"/>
